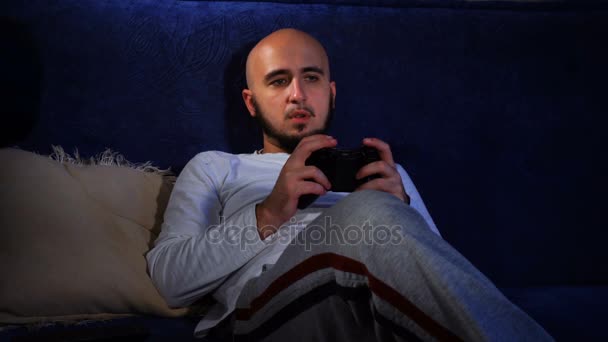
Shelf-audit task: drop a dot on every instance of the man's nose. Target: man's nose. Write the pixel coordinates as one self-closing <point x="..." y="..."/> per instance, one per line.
<point x="298" y="94"/>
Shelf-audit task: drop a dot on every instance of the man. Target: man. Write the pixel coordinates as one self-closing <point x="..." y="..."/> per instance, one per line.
<point x="366" y="266"/>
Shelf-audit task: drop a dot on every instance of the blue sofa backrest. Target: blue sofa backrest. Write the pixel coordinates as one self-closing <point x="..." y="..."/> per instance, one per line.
<point x="497" y="110"/>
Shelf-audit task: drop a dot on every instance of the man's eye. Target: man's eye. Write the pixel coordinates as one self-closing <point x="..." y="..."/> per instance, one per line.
<point x="279" y="82"/>
<point x="312" y="78"/>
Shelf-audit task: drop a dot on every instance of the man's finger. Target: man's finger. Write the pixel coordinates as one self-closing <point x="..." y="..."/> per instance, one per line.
<point x="383" y="149"/>
<point x="382" y="184"/>
<point x="310" y="144"/>
<point x="306" y="188"/>
<point x="379" y="184"/>
<point x="379" y="167"/>
<point x="313" y="173"/>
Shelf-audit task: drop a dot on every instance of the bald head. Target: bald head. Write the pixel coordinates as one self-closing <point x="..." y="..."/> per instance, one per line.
<point x="282" y="46"/>
<point x="289" y="91"/>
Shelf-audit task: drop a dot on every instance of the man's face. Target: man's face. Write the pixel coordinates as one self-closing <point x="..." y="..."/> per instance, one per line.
<point x="287" y="141"/>
<point x="289" y="93"/>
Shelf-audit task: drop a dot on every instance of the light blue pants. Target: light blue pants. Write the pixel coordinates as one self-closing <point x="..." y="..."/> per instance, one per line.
<point x="370" y="269"/>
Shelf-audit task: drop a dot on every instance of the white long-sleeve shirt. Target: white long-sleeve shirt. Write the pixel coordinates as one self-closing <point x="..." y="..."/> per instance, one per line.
<point x="209" y="241"/>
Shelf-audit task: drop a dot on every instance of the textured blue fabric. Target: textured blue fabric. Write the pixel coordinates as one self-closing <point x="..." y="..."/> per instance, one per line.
<point x="498" y="113"/>
<point x="568" y="313"/>
<point x="468" y="4"/>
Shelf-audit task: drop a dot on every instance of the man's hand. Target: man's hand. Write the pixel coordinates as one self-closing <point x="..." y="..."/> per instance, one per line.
<point x="295" y="179"/>
<point x="390" y="180"/>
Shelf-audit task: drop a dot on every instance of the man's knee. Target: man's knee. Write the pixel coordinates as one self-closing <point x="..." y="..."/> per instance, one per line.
<point x="369" y="197"/>
<point x="373" y="204"/>
<point x="365" y="217"/>
<point x="378" y="209"/>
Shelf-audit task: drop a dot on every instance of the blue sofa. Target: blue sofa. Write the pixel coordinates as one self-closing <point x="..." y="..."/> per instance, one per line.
<point x="497" y="109"/>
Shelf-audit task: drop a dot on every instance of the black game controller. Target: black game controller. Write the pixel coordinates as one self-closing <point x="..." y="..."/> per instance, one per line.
<point x="340" y="167"/>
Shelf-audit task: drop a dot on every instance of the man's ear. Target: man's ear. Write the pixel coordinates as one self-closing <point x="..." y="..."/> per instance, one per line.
<point x="248" y="98"/>
<point x="332" y="86"/>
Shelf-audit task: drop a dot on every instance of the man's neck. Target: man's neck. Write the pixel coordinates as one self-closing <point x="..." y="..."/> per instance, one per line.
<point x="269" y="147"/>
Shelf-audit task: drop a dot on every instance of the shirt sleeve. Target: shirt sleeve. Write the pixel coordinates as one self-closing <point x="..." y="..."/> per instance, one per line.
<point x="416" y="201"/>
<point x="197" y="248"/>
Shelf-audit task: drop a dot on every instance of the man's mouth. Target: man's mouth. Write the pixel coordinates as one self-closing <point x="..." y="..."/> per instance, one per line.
<point x="300" y="117"/>
<point x="300" y="114"/>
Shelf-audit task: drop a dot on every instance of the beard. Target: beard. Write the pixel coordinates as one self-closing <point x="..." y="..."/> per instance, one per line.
<point x="286" y="141"/>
